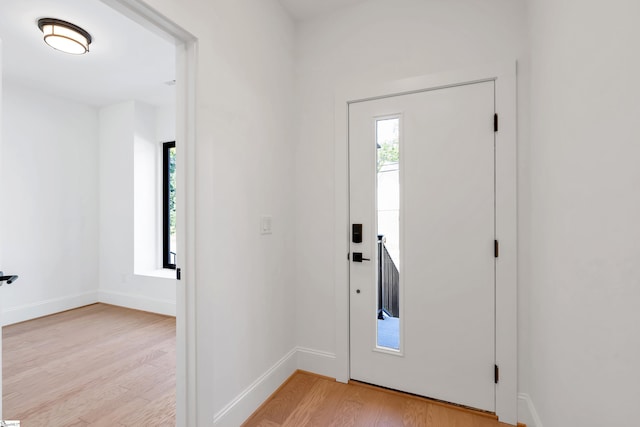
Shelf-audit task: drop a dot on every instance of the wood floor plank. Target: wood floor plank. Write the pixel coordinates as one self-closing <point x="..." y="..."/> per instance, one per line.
<point x="98" y="364"/>
<point x="415" y="413"/>
<point x="160" y="412"/>
<point x="285" y="400"/>
<point x="327" y="403"/>
<point x="441" y="416"/>
<point x="65" y="382"/>
<point x="267" y="423"/>
<point x="308" y="405"/>
<point x="392" y="410"/>
<point x="327" y="412"/>
<point x="112" y="414"/>
<point x="369" y="408"/>
<point x="346" y="414"/>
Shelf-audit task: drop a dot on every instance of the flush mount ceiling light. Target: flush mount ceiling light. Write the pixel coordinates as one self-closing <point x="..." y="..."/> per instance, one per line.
<point x="64" y="36"/>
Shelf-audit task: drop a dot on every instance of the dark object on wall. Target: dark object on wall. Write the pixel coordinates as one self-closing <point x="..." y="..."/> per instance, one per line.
<point x="8" y="279"/>
<point x="356" y="233"/>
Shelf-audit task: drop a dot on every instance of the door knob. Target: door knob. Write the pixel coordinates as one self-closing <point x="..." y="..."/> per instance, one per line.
<point x="357" y="257"/>
<point x="8" y="279"/>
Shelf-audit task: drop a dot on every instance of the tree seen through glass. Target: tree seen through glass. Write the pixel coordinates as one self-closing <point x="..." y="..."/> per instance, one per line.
<point x="172" y="199"/>
<point x="388" y="142"/>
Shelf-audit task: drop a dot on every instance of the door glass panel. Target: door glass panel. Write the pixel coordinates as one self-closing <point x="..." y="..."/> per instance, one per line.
<point x="388" y="221"/>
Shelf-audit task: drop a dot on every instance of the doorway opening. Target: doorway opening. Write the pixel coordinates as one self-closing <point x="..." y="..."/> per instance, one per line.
<point x="66" y="175"/>
<point x="348" y="292"/>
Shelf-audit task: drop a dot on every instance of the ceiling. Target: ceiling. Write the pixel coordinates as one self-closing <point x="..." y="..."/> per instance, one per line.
<point x="302" y="10"/>
<point x="126" y="61"/>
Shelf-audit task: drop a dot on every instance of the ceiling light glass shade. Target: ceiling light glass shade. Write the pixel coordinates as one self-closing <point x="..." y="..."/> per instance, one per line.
<point x="65" y="36"/>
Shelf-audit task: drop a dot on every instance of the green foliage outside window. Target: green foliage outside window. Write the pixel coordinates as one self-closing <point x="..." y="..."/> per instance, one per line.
<point x="172" y="191"/>
<point x="389" y="152"/>
<point x="388" y="141"/>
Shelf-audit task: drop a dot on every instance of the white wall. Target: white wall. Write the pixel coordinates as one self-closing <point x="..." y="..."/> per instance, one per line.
<point x="128" y="209"/>
<point x="146" y="182"/>
<point x="165" y="123"/>
<point x="585" y="153"/>
<point x="244" y="167"/>
<point x="51" y="211"/>
<point x="377" y="40"/>
<point x="165" y="131"/>
<point x="49" y="176"/>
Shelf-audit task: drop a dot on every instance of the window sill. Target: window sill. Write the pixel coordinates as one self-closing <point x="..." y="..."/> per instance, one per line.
<point x="163" y="273"/>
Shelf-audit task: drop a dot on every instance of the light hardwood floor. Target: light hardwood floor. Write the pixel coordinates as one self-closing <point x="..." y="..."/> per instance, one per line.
<point x="310" y="400"/>
<point x="98" y="365"/>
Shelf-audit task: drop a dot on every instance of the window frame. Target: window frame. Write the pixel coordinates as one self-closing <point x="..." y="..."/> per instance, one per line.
<point x="166" y="215"/>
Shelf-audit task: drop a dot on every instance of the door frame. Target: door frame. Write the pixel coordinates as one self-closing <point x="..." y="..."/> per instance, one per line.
<point x="186" y="63"/>
<point x="506" y="329"/>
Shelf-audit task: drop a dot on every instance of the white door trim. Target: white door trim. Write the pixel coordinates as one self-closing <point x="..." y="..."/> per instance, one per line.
<point x="186" y="63"/>
<point x="504" y="75"/>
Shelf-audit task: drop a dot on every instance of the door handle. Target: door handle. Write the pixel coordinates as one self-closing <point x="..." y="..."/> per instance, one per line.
<point x="8" y="279"/>
<point x="357" y="257"/>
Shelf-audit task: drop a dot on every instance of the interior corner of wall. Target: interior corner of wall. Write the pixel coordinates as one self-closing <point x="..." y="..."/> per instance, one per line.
<point x="244" y="404"/>
<point x="316" y="361"/>
<point x="527" y="413"/>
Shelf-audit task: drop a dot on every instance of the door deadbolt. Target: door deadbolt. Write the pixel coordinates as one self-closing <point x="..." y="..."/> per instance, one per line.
<point x="356" y="233"/>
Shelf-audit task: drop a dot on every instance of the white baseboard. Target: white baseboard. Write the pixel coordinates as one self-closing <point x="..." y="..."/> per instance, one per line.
<point x="56" y="305"/>
<point x="319" y="362"/>
<point x="316" y="361"/>
<point x="322" y="363"/>
<point x="527" y="411"/>
<point x="243" y="405"/>
<point x="138" y="302"/>
<point x="45" y="308"/>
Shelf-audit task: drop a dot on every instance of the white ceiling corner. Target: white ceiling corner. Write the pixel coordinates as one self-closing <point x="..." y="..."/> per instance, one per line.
<point x="126" y="61"/>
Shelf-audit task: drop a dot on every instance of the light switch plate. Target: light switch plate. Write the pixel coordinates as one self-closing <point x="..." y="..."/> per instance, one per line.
<point x="265" y="225"/>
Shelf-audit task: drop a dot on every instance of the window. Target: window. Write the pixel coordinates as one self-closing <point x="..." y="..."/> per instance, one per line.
<point x="388" y="221"/>
<point x="169" y="205"/>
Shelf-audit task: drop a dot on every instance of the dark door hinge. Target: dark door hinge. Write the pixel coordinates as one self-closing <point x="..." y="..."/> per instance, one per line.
<point x="495" y="122"/>
<point x="496" y="374"/>
<point x="178" y="274"/>
<point x="496" y="249"/>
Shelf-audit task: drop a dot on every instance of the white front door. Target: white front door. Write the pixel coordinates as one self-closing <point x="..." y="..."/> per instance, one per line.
<point x="422" y="176"/>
